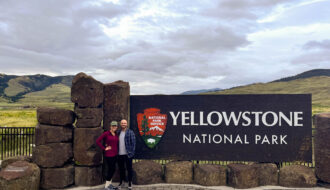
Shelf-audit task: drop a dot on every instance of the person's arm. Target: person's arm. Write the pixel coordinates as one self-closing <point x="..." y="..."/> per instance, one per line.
<point x="99" y="141"/>
<point x="133" y="141"/>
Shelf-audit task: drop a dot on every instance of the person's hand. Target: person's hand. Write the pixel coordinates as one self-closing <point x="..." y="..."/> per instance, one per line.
<point x="107" y="148"/>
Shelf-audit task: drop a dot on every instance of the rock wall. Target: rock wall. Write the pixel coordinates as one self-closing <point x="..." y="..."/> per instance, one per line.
<point x="53" y="152"/>
<point x="116" y="102"/>
<point x="87" y="95"/>
<point x="19" y="174"/>
<point x="322" y="147"/>
<point x="67" y="154"/>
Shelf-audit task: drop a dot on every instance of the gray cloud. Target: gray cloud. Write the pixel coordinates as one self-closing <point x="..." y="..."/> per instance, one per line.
<point x="55" y="37"/>
<point x="57" y="26"/>
<point x="158" y="46"/>
<point x="324" y="44"/>
<point x="317" y="59"/>
<point x="147" y="61"/>
<point x="241" y="9"/>
<point x="316" y="54"/>
<point x="206" y="39"/>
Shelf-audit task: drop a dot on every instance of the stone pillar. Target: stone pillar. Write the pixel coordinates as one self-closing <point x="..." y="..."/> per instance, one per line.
<point x="87" y="94"/>
<point x="86" y="152"/>
<point x="322" y="147"/>
<point x="53" y="151"/>
<point x="116" y="102"/>
<point x="88" y="176"/>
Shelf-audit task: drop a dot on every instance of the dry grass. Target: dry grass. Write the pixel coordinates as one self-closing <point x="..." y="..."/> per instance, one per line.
<point x="18" y="118"/>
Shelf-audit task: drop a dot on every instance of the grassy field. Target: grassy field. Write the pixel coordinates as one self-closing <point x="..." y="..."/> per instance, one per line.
<point x="319" y="109"/>
<point x="57" y="95"/>
<point x="18" y="118"/>
<point x="23" y="112"/>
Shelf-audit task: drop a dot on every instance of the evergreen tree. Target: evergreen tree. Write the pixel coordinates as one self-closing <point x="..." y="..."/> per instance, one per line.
<point x="145" y="127"/>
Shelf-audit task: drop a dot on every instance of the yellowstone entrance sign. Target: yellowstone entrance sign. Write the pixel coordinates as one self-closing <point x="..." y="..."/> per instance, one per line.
<point x="264" y="128"/>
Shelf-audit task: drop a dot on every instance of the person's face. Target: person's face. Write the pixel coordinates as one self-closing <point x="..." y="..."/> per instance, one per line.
<point x="123" y="124"/>
<point x="113" y="128"/>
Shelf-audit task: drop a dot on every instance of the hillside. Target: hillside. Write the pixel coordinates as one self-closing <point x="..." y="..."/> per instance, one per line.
<point x="57" y="95"/>
<point x="190" y="92"/>
<point x="31" y="91"/>
<point x="307" y="74"/>
<point x="318" y="86"/>
<point x="35" y="90"/>
<point x="28" y="92"/>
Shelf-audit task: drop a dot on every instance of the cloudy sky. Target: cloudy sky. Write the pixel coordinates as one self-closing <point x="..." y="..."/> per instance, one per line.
<point x="165" y="46"/>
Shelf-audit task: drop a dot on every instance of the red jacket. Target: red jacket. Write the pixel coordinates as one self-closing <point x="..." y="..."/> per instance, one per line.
<point x="109" y="140"/>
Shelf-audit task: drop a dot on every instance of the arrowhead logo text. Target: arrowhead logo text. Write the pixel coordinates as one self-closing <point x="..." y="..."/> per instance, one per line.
<point x="152" y="125"/>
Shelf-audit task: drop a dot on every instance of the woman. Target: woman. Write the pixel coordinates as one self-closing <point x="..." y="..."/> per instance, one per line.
<point x="110" y="140"/>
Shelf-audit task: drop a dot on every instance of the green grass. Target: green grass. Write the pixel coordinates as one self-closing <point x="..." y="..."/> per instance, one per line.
<point x="319" y="87"/>
<point x="57" y="95"/>
<point x="18" y="118"/>
<point x="14" y="87"/>
<point x="23" y="112"/>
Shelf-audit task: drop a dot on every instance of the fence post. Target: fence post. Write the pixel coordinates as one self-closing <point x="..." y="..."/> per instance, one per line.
<point x="16" y="141"/>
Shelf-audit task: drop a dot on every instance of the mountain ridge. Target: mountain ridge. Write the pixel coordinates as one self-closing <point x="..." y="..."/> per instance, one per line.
<point x="42" y="90"/>
<point x="306" y="74"/>
<point x="318" y="86"/>
<point x="190" y="92"/>
<point x="14" y="87"/>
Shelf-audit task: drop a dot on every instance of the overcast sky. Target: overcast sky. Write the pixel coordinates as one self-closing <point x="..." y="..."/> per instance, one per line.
<point x="165" y="46"/>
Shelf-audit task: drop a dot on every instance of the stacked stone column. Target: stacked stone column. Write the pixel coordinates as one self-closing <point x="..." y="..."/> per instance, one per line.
<point x="322" y="147"/>
<point x="87" y="94"/>
<point x="116" y="102"/>
<point x="53" y="152"/>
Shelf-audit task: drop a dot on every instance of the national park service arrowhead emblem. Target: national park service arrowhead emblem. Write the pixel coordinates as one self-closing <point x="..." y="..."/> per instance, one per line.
<point x="152" y="125"/>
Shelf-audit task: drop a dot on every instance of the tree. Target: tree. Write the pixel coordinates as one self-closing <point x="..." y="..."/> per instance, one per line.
<point x="145" y="127"/>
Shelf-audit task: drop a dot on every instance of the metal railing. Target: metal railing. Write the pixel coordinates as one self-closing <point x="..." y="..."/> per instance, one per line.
<point x="16" y="141"/>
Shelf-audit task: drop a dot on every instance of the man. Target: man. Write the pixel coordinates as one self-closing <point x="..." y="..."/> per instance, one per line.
<point x="126" y="153"/>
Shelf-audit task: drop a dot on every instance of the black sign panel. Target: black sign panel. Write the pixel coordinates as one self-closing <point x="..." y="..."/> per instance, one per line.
<point x="264" y="128"/>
